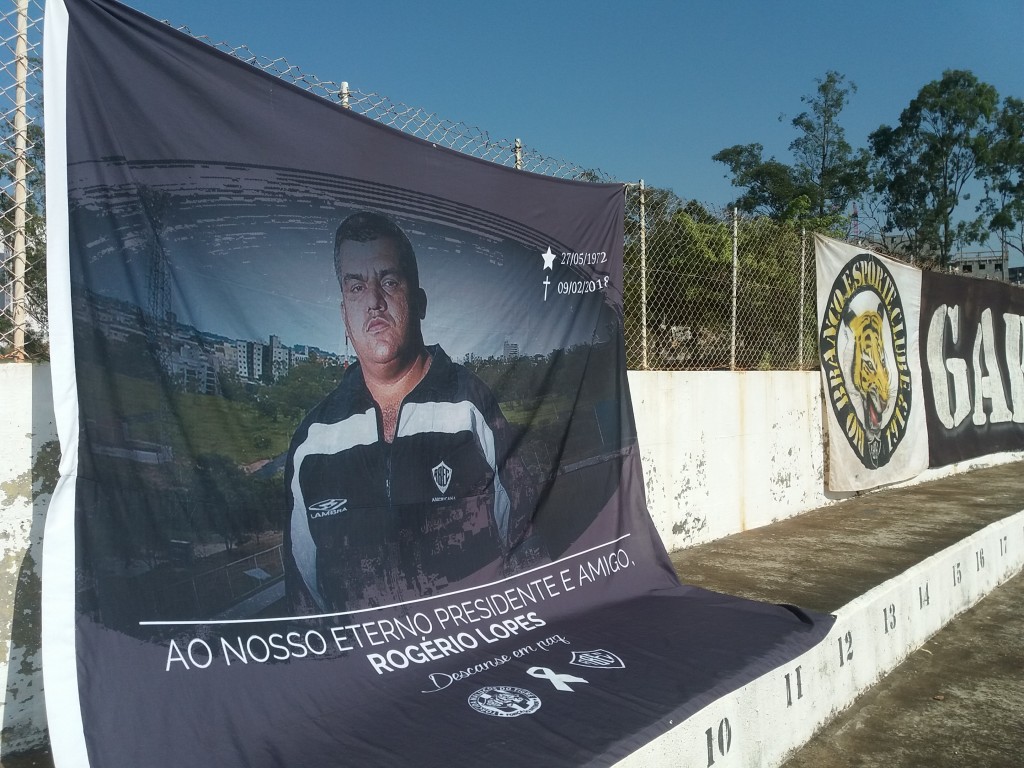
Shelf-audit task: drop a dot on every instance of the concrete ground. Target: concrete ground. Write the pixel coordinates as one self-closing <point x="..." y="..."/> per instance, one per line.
<point x="825" y="558"/>
<point x="957" y="701"/>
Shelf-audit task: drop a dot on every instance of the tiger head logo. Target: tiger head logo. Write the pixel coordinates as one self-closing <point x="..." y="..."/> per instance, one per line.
<point x="869" y="372"/>
<point x="865" y="364"/>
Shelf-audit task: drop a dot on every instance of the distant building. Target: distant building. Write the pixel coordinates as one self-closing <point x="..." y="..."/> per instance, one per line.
<point x="302" y="353"/>
<point x="249" y="360"/>
<point x="985" y="264"/>
<point x="193" y="357"/>
<point x="190" y="365"/>
<point x="224" y="354"/>
<point x="277" y="358"/>
<point x="510" y="351"/>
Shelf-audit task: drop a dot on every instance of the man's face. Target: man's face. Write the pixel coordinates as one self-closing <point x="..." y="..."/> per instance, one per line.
<point x="381" y="309"/>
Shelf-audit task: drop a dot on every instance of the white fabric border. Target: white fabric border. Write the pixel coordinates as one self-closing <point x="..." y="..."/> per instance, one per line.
<point x="60" y="662"/>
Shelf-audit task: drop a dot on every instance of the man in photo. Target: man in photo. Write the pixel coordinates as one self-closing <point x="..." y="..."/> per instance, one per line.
<point x="399" y="482"/>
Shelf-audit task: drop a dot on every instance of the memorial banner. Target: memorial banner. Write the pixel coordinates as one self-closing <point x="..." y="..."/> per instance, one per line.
<point x="349" y="469"/>
<point x="974" y="370"/>
<point x="868" y="308"/>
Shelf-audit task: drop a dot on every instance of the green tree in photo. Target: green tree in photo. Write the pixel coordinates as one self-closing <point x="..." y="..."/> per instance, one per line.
<point x="294" y="394"/>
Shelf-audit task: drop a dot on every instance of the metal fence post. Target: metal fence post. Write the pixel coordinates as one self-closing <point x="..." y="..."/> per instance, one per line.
<point x="345" y="93"/>
<point x="735" y="278"/>
<point x="643" y="276"/>
<point x="20" y="314"/>
<point x="519" y="155"/>
<point x="803" y="273"/>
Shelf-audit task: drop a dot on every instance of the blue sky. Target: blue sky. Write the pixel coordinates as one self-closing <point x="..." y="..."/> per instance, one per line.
<point x="640" y="90"/>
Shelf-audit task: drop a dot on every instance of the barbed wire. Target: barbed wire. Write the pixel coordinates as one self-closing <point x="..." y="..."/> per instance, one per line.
<point x="416" y="121"/>
<point x="705" y="287"/>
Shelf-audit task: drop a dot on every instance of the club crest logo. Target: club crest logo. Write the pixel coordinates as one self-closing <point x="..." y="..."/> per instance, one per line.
<point x="863" y="347"/>
<point x="599" y="658"/>
<point x="442" y="474"/>
<point x="504" y="701"/>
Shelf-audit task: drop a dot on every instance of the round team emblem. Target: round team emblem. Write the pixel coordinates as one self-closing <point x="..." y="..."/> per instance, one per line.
<point x="863" y="345"/>
<point x="504" y="701"/>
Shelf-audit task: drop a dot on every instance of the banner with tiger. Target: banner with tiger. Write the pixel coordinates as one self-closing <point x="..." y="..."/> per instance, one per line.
<point x="868" y="317"/>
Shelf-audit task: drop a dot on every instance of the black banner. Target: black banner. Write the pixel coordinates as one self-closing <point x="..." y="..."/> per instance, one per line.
<point x="972" y="357"/>
<point x="353" y="477"/>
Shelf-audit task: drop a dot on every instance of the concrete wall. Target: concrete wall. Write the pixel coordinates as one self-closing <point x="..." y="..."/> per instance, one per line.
<point x="726" y="452"/>
<point x="28" y="473"/>
<point x="722" y="452"/>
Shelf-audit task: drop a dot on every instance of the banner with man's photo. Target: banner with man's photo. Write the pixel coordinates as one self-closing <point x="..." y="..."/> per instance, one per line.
<point x="349" y="469"/>
<point x="868" y="310"/>
<point x="973" y="356"/>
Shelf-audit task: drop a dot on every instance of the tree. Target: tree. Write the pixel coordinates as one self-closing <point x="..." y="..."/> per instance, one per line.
<point x="827" y="168"/>
<point x="302" y="387"/>
<point x="924" y="163"/>
<point x="1002" y="208"/>
<point x="770" y="187"/>
<point x="826" y="176"/>
<point x="221" y="486"/>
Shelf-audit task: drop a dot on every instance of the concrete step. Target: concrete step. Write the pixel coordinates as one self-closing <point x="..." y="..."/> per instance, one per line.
<point x="895" y="566"/>
<point x="956" y="701"/>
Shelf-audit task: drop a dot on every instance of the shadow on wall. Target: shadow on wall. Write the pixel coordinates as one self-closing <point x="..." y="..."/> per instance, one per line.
<point x="24" y="715"/>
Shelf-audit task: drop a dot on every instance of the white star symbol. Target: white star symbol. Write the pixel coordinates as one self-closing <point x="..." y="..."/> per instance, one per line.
<point x="549" y="258"/>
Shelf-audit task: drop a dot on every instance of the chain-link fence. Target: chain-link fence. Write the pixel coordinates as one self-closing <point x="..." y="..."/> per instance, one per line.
<point x="705" y="289"/>
<point x="709" y="289"/>
<point x="22" y="243"/>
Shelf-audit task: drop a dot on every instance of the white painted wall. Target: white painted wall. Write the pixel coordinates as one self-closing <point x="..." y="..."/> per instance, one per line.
<point x="723" y="452"/>
<point x="28" y="471"/>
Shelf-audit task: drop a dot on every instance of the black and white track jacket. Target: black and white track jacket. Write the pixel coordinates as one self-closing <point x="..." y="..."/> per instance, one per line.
<point x="373" y="523"/>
